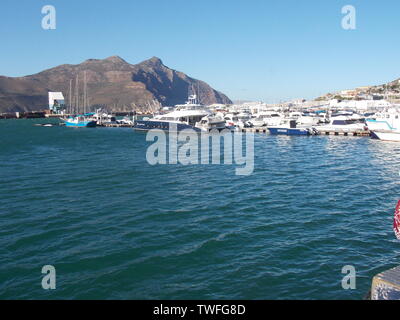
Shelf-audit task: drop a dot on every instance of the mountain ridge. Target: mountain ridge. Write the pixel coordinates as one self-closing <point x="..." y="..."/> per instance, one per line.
<point x="112" y="83"/>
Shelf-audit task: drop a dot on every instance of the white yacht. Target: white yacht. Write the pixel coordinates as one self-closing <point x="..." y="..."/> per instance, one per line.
<point x="343" y="124"/>
<point x="240" y="120"/>
<point x="385" y="125"/>
<point x="267" y="118"/>
<point x="386" y="120"/>
<point x="303" y="119"/>
<point x="191" y="115"/>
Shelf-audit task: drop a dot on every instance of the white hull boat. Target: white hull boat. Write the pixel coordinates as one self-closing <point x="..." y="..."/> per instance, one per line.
<point x="386" y="135"/>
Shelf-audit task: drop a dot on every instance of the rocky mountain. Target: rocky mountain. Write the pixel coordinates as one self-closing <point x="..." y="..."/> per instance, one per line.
<point x="112" y="83"/>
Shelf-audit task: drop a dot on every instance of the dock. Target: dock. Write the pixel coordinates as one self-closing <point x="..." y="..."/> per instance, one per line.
<point x="359" y="133"/>
<point x="115" y="125"/>
<point x="386" y="285"/>
<point x="325" y="132"/>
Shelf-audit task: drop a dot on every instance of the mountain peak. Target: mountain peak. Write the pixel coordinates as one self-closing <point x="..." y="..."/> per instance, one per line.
<point x="115" y="59"/>
<point x="154" y="61"/>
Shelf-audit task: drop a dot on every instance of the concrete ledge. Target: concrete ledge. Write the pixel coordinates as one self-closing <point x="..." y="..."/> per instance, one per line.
<point x="386" y="285"/>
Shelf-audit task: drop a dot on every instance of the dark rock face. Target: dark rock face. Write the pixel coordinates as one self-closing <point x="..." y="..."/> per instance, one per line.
<point x="111" y="82"/>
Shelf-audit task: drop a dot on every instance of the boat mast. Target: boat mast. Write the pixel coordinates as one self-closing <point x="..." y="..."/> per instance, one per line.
<point x="84" y="92"/>
<point x="77" y="94"/>
<point x="198" y="94"/>
<point x="70" y="97"/>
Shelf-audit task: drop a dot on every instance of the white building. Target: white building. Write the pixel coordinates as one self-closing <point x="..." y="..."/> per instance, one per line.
<point x="361" y="105"/>
<point x="56" y="102"/>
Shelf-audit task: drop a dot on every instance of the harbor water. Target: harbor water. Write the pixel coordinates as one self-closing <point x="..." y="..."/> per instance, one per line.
<point x="87" y="202"/>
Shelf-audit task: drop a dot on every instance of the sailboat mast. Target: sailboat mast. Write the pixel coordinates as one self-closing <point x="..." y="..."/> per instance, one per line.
<point x="84" y="93"/>
<point x="70" y="97"/>
<point x="77" y="93"/>
<point x="198" y="94"/>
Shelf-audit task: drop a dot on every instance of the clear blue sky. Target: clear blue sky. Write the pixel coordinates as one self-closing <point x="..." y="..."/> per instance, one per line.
<point x="254" y="49"/>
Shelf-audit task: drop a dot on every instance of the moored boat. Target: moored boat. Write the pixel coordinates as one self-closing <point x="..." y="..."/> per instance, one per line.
<point x="290" y="128"/>
<point x="386" y="135"/>
<point x="387" y="120"/>
<point x="343" y="124"/>
<point x="385" y="125"/>
<point x="79" y="121"/>
<point x="186" y="116"/>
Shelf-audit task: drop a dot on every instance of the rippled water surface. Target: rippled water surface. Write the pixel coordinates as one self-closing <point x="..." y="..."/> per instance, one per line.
<point x="87" y="202"/>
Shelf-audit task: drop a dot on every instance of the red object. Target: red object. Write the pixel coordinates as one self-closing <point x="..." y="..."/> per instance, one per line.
<point x="396" y="222"/>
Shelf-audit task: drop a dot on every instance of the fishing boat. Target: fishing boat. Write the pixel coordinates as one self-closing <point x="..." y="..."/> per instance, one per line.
<point x="79" y="121"/>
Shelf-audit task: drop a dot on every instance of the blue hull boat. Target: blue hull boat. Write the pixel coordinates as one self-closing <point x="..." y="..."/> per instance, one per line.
<point x="79" y="121"/>
<point x="89" y="124"/>
<point x="290" y="131"/>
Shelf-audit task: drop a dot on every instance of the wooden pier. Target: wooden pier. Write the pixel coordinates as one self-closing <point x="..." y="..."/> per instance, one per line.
<point x="357" y="133"/>
<point x="115" y="125"/>
<point x="255" y="130"/>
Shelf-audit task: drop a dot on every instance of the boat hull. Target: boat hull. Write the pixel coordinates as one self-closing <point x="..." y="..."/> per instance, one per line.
<point x="146" y="125"/>
<point x="289" y="131"/>
<point x="386" y="136"/>
<point x="161" y="125"/>
<point x="83" y="124"/>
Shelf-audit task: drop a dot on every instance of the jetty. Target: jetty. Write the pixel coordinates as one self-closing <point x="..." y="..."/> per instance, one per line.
<point x="327" y="132"/>
<point x="344" y="132"/>
<point x="115" y="125"/>
<point x="23" y="115"/>
<point x="386" y="285"/>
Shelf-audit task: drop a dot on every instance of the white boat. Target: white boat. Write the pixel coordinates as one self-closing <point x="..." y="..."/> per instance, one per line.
<point x="185" y="116"/>
<point x="239" y="120"/>
<point x="386" y="120"/>
<point x="389" y="135"/>
<point x="209" y="123"/>
<point x="101" y="117"/>
<point x="303" y="119"/>
<point x="126" y="121"/>
<point x="267" y="118"/>
<point x="343" y="124"/>
<point x="257" y="121"/>
<point x="385" y="125"/>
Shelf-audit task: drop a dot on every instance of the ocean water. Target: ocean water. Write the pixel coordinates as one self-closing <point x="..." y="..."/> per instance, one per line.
<point x="87" y="202"/>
